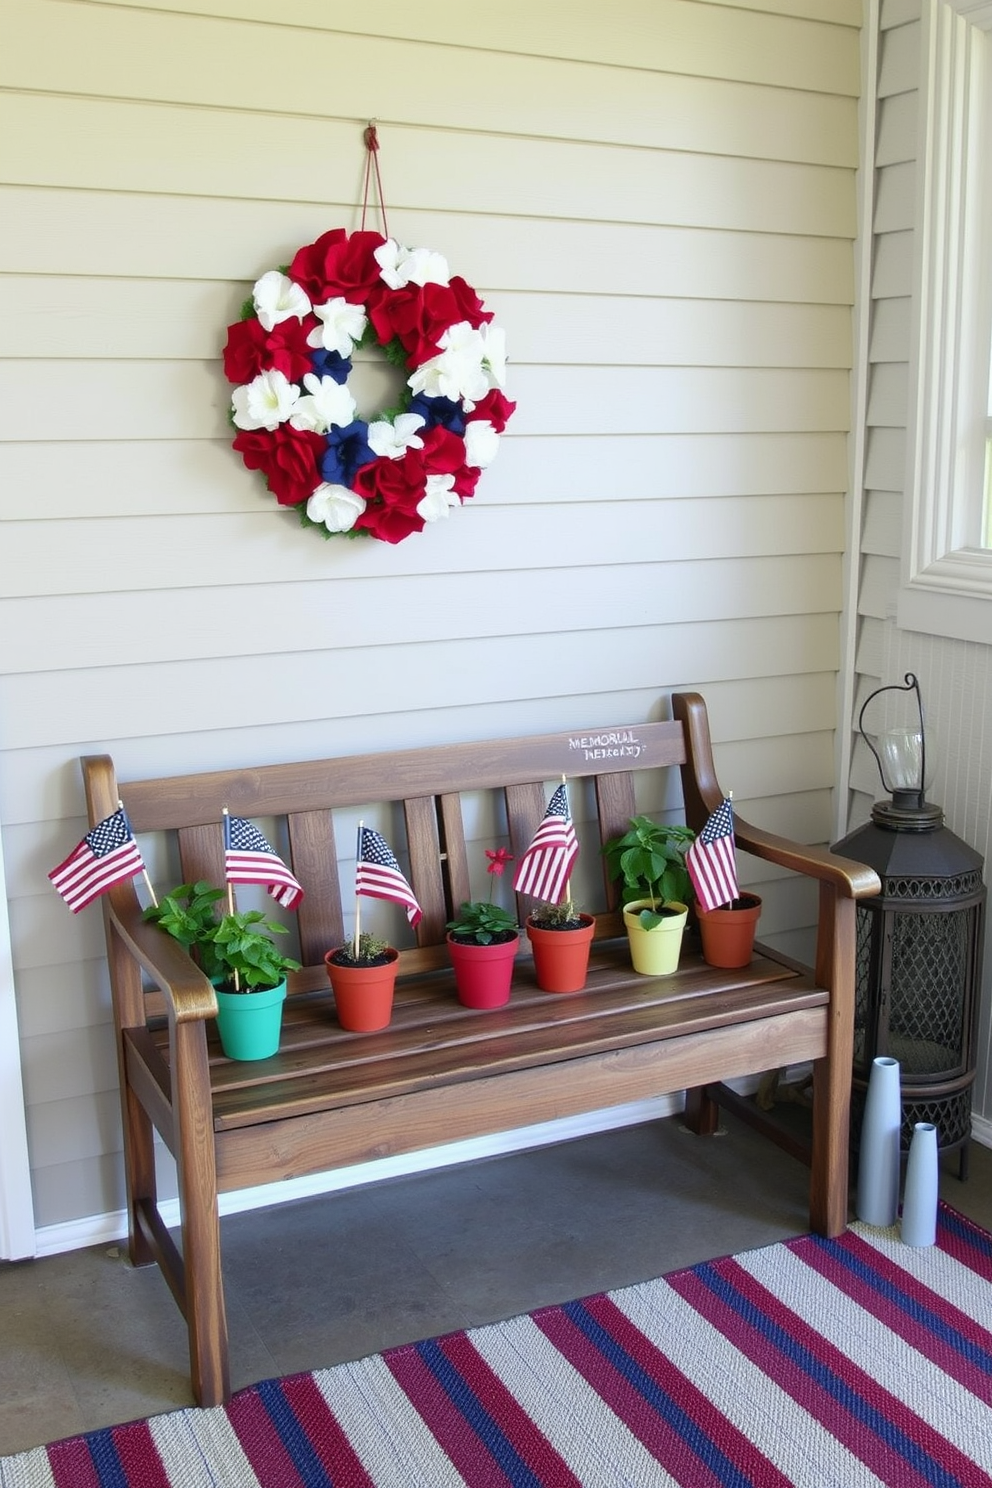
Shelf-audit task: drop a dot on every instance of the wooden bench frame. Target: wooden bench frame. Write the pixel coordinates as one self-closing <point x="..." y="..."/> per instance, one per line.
<point x="441" y="1073"/>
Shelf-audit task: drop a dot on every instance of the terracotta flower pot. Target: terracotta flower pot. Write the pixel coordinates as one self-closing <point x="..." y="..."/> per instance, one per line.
<point x="561" y="957"/>
<point x="363" y="995"/>
<point x="655" y="952"/>
<point x="728" y="934"/>
<point x="483" y="973"/>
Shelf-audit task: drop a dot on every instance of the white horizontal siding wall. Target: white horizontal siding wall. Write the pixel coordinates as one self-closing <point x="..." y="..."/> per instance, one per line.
<point x="955" y="676"/>
<point x="658" y="202"/>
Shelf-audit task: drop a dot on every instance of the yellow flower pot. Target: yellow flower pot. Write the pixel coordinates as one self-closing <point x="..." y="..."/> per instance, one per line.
<point x="655" y="952"/>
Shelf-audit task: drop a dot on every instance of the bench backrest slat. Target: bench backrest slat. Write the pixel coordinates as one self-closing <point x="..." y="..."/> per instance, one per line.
<point x="201" y="853"/>
<point x="426" y="877"/>
<point x="313" y="852"/>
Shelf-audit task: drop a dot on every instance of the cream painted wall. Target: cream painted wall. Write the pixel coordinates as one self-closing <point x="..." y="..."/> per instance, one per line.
<point x="658" y="201"/>
<point x="955" y="676"/>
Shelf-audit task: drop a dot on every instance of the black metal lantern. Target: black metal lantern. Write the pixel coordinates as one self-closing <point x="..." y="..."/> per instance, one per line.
<point x="919" y="942"/>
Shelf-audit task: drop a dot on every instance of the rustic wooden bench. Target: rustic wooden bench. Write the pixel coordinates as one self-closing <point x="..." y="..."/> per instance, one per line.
<point x="441" y="1072"/>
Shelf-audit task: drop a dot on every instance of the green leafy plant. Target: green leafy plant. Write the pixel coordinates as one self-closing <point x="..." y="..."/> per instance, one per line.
<point x="648" y="861"/>
<point x="236" y="950"/>
<point x="248" y="958"/>
<point x="187" y="914"/>
<point x="480" y="921"/>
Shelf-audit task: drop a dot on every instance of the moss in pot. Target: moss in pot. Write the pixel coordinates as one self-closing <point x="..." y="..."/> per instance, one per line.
<point x="362" y="975"/>
<point x="561" y="938"/>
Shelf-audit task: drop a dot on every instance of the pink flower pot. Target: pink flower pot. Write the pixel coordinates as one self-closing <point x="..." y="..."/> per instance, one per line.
<point x="483" y="973"/>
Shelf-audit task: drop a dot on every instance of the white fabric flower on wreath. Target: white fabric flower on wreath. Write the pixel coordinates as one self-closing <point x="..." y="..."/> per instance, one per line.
<point x="494" y="357"/>
<point x="393" y="440"/>
<point x="342" y="325"/>
<point x="481" y="443"/>
<point x="438" y="498"/>
<point x="401" y="266"/>
<point x="326" y="402"/>
<point x="458" y="372"/>
<point x="276" y="298"/>
<point x="265" y="402"/>
<point x="335" y="506"/>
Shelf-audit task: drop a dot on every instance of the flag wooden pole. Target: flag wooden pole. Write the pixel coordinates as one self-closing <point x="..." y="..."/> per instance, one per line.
<point x="730" y="798"/>
<point x="358" y="897"/>
<point x="568" y="882"/>
<point x="144" y="870"/>
<point x="230" y="886"/>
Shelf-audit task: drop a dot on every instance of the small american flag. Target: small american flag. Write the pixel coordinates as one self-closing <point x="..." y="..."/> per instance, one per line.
<point x="249" y="858"/>
<point x="711" y="860"/>
<point x="378" y="874"/>
<point x="107" y="854"/>
<point x="544" y="869"/>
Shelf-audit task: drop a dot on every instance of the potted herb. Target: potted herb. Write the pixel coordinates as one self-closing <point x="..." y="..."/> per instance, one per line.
<point x="648" y="861"/>
<point x="239" y="956"/>
<point x="561" y="937"/>
<point x="482" y="943"/>
<point x="363" y="978"/>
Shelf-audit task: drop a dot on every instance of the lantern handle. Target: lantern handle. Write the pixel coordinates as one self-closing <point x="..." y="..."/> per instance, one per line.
<point x="909" y="684"/>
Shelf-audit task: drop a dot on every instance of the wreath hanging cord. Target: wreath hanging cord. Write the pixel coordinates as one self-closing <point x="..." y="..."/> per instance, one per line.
<point x="290" y="357"/>
<point x="372" y="158"/>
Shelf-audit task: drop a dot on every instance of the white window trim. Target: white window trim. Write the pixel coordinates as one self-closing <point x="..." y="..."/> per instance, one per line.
<point x="947" y="575"/>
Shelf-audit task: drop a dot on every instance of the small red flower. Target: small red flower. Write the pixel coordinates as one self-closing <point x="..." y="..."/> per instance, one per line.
<point x="498" y="859"/>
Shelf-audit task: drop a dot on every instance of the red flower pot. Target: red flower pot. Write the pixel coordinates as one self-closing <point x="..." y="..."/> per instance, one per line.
<point x="363" y="995"/>
<point x="561" y="957"/>
<point x="483" y="973"/>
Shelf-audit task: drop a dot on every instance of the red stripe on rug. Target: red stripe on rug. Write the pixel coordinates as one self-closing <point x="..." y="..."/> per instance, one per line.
<point x="260" y="1441"/>
<point x="520" y="1430"/>
<point x="139" y="1456"/>
<point x="71" y="1464"/>
<point x="657" y="1436"/>
<point x="814" y="1395"/>
<point x="966" y="1241"/>
<point x="918" y="1335"/>
<point x="325" y="1434"/>
<point x="439" y="1413"/>
<point x="760" y="1470"/>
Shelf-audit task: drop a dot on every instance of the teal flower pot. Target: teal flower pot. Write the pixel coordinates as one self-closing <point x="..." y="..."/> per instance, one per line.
<point x="249" y="1023"/>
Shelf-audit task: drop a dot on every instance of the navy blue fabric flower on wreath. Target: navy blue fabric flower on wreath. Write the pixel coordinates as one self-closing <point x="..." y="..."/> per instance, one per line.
<point x="444" y="411"/>
<point x="347" y="451"/>
<point x="331" y="364"/>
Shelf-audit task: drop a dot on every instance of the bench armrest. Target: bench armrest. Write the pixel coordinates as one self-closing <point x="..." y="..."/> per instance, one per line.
<point x="851" y="879"/>
<point x="703" y="795"/>
<point x="187" y="991"/>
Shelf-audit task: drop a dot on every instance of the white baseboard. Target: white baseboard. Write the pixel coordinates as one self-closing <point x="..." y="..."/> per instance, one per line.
<point x="102" y="1229"/>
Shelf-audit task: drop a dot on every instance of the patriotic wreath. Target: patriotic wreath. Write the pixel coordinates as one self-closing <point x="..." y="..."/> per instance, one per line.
<point x="290" y="356"/>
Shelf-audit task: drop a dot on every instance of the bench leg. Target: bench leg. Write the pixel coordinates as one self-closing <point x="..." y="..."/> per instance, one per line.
<point x="829" y="1196"/>
<point x="139" y="1176"/>
<point x="702" y="1114"/>
<point x="206" y="1317"/>
<point x="138" y="1132"/>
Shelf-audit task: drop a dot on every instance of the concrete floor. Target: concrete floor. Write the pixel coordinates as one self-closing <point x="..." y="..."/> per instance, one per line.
<point x="87" y="1341"/>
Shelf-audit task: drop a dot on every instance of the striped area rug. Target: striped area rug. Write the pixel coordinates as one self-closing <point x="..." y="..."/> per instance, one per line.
<point x="849" y="1362"/>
